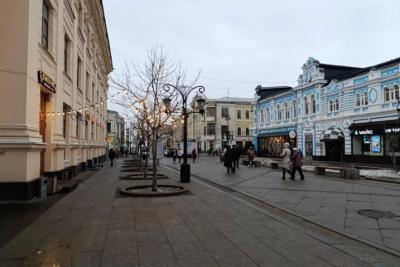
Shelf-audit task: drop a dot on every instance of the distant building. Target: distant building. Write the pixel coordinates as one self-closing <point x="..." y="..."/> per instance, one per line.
<point x="227" y="120"/>
<point x="54" y="61"/>
<point x="115" y="130"/>
<point x="335" y="113"/>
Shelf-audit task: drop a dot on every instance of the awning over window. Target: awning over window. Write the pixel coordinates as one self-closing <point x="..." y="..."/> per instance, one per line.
<point x="332" y="133"/>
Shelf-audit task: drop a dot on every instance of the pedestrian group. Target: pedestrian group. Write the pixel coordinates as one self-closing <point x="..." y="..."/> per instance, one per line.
<point x="291" y="162"/>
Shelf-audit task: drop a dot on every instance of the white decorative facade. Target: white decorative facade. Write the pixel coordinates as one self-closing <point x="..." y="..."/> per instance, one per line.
<point x="334" y="113"/>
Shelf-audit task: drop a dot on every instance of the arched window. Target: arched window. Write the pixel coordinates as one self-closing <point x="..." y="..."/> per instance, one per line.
<point x="262" y="116"/>
<point x="306" y="110"/>
<point x="396" y="91"/>
<point x="287" y="112"/>
<point x="267" y="115"/>
<point x="247" y="131"/>
<point x="294" y="109"/>
<point x="313" y="104"/>
<point x="278" y="110"/>
<point x="239" y="131"/>
<point x="387" y="94"/>
<point x="330" y="105"/>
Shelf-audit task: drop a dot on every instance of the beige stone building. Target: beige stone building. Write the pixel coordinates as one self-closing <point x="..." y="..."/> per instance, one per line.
<point x="115" y="130"/>
<point x="54" y="61"/>
<point x="227" y="120"/>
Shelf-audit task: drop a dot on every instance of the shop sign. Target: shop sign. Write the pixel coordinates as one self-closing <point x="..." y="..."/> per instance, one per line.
<point x="392" y="130"/>
<point x="284" y="130"/>
<point x="363" y="132"/>
<point x="292" y="134"/>
<point x="46" y="81"/>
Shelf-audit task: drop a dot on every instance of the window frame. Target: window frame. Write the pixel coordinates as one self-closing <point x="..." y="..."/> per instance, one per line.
<point x="45" y="24"/>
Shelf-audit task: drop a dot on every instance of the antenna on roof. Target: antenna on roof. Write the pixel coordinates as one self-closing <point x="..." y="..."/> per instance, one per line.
<point x="229" y="89"/>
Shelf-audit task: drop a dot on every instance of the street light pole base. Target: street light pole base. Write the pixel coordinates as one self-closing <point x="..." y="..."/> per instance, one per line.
<point x="185" y="173"/>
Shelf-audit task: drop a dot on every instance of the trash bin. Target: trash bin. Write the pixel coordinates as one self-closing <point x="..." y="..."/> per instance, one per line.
<point x="51" y="185"/>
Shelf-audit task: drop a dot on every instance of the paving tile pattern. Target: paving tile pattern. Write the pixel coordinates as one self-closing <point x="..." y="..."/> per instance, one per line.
<point x="328" y="200"/>
<point x="95" y="226"/>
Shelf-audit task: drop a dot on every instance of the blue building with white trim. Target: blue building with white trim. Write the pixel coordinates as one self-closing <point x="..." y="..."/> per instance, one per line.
<point x="335" y="113"/>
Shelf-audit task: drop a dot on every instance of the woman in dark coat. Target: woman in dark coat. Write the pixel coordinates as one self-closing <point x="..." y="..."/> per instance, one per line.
<point x="297" y="161"/>
<point x="228" y="160"/>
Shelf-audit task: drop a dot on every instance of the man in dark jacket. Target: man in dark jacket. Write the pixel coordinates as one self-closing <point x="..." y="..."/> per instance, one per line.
<point x="229" y="160"/>
<point x="297" y="162"/>
<point x="237" y="151"/>
<point x="111" y="155"/>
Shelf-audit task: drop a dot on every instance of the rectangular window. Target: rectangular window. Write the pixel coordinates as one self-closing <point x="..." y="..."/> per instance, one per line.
<point x="361" y="99"/>
<point x="224" y="131"/>
<point x="210" y="111"/>
<point x="247" y="114"/>
<point x="78" y="123"/>
<point x="45" y="25"/>
<point x="239" y="114"/>
<point x="66" y="109"/>
<point x="108" y="127"/>
<point x="79" y="74"/>
<point x="210" y="128"/>
<point x="87" y="85"/>
<point x="334" y="105"/>
<point x="225" y="112"/>
<point x="92" y="92"/>
<point x="66" y="54"/>
<point x="86" y="129"/>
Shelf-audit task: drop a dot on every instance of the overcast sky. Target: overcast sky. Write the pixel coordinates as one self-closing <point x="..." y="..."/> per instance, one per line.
<point x="239" y="44"/>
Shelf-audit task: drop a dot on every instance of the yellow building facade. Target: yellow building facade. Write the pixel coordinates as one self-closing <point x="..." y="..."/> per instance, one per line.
<point x="54" y="61"/>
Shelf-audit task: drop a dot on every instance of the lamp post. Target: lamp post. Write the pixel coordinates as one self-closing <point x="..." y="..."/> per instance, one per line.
<point x="184" y="93"/>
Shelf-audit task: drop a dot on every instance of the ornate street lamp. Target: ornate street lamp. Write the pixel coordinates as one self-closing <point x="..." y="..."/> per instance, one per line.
<point x="185" y="91"/>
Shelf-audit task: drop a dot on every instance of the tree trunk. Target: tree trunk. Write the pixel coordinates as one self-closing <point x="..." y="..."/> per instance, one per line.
<point x="146" y="162"/>
<point x="154" y="153"/>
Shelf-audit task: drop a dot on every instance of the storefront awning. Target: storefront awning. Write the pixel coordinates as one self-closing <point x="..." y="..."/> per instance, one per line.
<point x="332" y="133"/>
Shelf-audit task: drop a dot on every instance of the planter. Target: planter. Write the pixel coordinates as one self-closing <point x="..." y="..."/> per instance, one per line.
<point x="146" y="191"/>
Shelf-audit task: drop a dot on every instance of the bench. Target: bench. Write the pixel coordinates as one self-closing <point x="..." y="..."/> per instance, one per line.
<point x="274" y="165"/>
<point x="345" y="172"/>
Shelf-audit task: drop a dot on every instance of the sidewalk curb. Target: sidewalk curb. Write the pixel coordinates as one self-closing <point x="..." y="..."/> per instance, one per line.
<point x="342" y="233"/>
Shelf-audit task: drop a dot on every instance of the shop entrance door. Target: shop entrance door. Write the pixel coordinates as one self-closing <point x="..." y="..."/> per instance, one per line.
<point x="42" y="128"/>
<point x="334" y="150"/>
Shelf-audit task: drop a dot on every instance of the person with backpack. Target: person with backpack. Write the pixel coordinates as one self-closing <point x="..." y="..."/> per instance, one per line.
<point x="297" y="162"/>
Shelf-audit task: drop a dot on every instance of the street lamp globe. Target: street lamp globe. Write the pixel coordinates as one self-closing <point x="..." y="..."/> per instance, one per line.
<point x="200" y="104"/>
<point x="167" y="103"/>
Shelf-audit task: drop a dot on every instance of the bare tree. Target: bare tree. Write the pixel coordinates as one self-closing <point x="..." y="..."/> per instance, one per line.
<point x="141" y="90"/>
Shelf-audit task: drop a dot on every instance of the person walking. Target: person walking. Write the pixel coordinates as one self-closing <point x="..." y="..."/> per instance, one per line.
<point x="297" y="161"/>
<point x="236" y="153"/>
<point x="111" y="155"/>
<point x="228" y="160"/>
<point x="194" y="154"/>
<point x="250" y="156"/>
<point x="286" y="161"/>
<point x="174" y="155"/>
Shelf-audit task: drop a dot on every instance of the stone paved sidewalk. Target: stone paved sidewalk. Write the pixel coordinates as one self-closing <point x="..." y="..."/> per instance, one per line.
<point x="328" y="200"/>
<point x="95" y="226"/>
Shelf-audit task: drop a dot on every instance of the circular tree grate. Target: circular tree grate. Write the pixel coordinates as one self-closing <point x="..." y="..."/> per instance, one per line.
<point x="377" y="214"/>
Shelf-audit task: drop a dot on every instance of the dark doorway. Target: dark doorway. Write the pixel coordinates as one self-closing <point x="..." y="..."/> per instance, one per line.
<point x="334" y="150"/>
